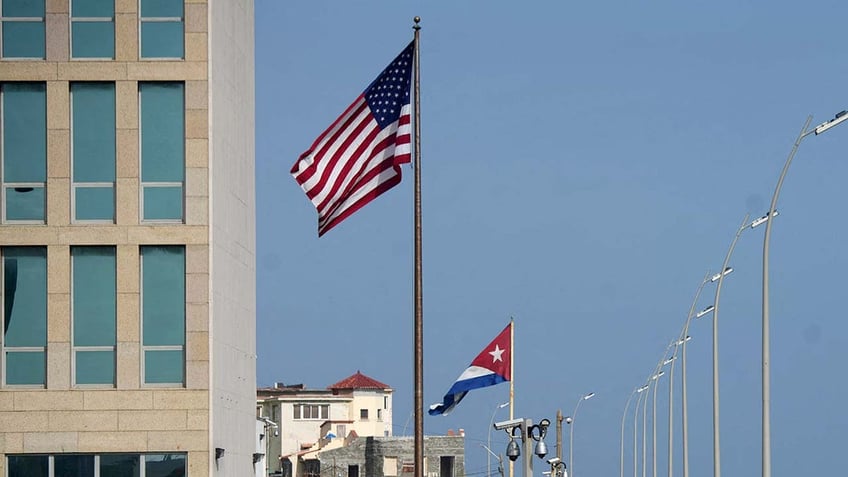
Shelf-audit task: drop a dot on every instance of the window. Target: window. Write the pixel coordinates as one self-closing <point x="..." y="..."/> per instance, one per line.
<point x="385" y="402"/>
<point x="24" y="152"/>
<point x="103" y="465"/>
<point x="363" y="414"/>
<point x="92" y="29"/>
<point x="352" y="471"/>
<point x="93" y="152"/>
<point x="275" y="412"/>
<point x="379" y="414"/>
<point x="446" y="466"/>
<point x="22" y="25"/>
<point x="390" y="466"/>
<point x="24" y="338"/>
<point x="311" y="411"/>
<point x="341" y="430"/>
<point x="163" y="314"/>
<point x="161" y="29"/>
<point x="93" y="311"/>
<point x="162" y="131"/>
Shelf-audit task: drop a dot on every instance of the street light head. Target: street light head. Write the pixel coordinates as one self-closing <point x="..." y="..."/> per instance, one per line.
<point x="643" y="388"/>
<point x="569" y="420"/>
<point x="512" y="450"/>
<point x="763" y="219"/>
<point x="589" y="396"/>
<point x="503" y="405"/>
<point x="669" y="360"/>
<point x="727" y="271"/>
<point x="705" y="311"/>
<point x="554" y="460"/>
<point x="840" y="117"/>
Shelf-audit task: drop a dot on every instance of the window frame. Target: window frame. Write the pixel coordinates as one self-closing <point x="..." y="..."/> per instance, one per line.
<point x="72" y="19"/>
<point x="74" y="347"/>
<point x="19" y="349"/>
<point x="142" y="20"/>
<point x="140" y="458"/>
<point x="142" y="185"/>
<point x="4" y="20"/>
<point x="15" y="185"/>
<point x="299" y="411"/>
<point x="144" y="348"/>
<point x="97" y="184"/>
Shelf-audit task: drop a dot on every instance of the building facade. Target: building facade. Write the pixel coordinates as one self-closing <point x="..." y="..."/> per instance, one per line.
<point x="127" y="238"/>
<point x="311" y="421"/>
<point x="444" y="456"/>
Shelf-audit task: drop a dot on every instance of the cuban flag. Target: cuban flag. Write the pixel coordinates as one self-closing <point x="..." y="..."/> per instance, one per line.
<point x="490" y="367"/>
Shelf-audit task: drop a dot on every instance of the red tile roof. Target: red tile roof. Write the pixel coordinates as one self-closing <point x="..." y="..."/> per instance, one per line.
<point x="358" y="381"/>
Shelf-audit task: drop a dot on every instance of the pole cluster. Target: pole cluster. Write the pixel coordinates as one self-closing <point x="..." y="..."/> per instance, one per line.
<point x="678" y="348"/>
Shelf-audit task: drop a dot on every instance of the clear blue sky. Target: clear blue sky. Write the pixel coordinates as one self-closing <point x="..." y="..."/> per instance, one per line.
<point x="585" y="164"/>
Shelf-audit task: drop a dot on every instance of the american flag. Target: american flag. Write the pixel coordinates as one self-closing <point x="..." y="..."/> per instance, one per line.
<point x="359" y="156"/>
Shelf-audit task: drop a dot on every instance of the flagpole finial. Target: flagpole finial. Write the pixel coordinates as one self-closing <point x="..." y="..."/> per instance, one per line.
<point x="417" y="20"/>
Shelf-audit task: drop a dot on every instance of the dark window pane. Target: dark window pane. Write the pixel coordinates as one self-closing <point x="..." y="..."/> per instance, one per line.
<point x="95" y="367"/>
<point x="25" y="368"/>
<point x="161" y="40"/>
<point x="119" y="465"/>
<point x="92" y="8"/>
<point x="163" y="367"/>
<point x="94" y="203"/>
<point x="161" y="8"/>
<point x="27" y="465"/>
<point x="94" y="290"/>
<point x="165" y="465"/>
<point x="163" y="295"/>
<point x="25" y="301"/>
<point x="93" y="39"/>
<point x="25" y="203"/>
<point x="162" y="132"/>
<point x="24" y="132"/>
<point x="24" y="39"/>
<point x="70" y="465"/>
<point x="93" y="107"/>
<point x="23" y="8"/>
<point x="163" y="203"/>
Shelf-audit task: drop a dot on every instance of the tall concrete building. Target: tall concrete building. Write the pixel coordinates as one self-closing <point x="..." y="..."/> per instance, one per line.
<point x="127" y="238"/>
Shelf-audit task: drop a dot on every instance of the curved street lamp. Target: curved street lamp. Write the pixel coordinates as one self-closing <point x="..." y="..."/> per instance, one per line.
<point x="720" y="279"/>
<point x="636" y="427"/>
<point x="684" y="335"/>
<point x="570" y="422"/>
<point x="623" y="416"/>
<point x="489" y="439"/>
<point x="840" y="117"/>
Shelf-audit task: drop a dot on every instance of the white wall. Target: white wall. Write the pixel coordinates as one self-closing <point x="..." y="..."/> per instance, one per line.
<point x="232" y="235"/>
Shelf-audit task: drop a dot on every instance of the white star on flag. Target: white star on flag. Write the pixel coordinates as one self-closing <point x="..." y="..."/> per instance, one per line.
<point x="496" y="354"/>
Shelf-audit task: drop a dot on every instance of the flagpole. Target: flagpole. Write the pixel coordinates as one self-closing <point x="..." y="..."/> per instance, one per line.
<point x="417" y="281"/>
<point x="511" y="381"/>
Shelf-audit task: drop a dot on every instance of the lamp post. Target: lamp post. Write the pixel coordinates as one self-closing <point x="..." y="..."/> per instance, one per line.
<point x="653" y="379"/>
<point x="840" y="117"/>
<point x="623" y="416"/>
<point x="663" y="362"/>
<point x="720" y="278"/>
<point x="527" y="432"/>
<point x="684" y="336"/>
<point x="636" y="427"/>
<point x="498" y="456"/>
<point x="489" y="439"/>
<point x="570" y="422"/>
<point x="671" y="405"/>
